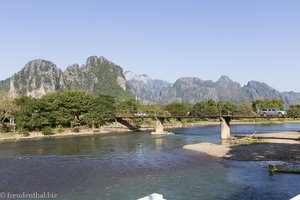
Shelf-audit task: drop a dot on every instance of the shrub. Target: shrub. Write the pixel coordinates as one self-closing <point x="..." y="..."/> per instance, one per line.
<point x="24" y="132"/>
<point x="4" y="128"/>
<point x="75" y="130"/>
<point x="60" y="130"/>
<point x="47" y="130"/>
<point x="96" y="131"/>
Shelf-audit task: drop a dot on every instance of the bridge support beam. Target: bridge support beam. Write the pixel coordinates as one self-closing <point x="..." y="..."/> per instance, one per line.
<point x="159" y="129"/>
<point x="225" y="128"/>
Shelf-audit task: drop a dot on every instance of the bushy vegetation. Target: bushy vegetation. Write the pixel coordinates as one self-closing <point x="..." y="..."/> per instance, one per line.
<point x="75" y="129"/>
<point x="264" y="104"/>
<point x="60" y="109"/>
<point x="72" y="109"/>
<point x="47" y="130"/>
<point x="209" y="108"/>
<point x="60" y="129"/>
<point x="4" y="128"/>
<point x="294" y="111"/>
<point x="24" y="132"/>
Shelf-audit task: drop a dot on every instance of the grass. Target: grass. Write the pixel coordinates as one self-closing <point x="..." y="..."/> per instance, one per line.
<point x="60" y="129"/>
<point x="282" y="169"/>
<point x="97" y="131"/>
<point x="75" y="130"/>
<point x="289" y="171"/>
<point x="237" y="140"/>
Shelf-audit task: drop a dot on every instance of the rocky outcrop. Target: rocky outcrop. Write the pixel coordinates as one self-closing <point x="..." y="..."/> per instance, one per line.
<point x="98" y="75"/>
<point x="39" y="77"/>
<point x="36" y="79"/>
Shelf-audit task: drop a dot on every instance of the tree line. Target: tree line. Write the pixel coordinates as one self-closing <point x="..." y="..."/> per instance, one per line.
<point x="76" y="108"/>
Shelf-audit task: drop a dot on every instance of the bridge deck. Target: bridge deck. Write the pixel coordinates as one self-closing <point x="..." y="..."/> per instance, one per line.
<point x="211" y="117"/>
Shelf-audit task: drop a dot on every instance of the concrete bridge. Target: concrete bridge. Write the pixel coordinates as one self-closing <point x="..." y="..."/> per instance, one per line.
<point x="224" y="121"/>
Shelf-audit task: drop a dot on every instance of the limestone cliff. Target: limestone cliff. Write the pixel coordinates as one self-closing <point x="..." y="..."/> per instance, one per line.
<point x="36" y="79"/>
<point x="98" y="75"/>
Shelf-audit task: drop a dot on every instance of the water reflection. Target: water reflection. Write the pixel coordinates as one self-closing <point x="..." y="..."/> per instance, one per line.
<point x="132" y="165"/>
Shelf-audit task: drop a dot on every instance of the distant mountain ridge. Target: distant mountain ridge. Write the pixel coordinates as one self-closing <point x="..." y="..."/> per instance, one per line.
<point x="193" y="89"/>
<point x="101" y="76"/>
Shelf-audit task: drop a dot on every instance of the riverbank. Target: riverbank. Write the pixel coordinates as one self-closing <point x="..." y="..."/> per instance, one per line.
<point x="109" y="128"/>
<point x="39" y="135"/>
<point x="120" y="128"/>
<point x="283" y="146"/>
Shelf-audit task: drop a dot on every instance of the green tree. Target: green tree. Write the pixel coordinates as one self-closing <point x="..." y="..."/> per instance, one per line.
<point x="155" y="110"/>
<point x="178" y="109"/>
<point x="228" y="108"/>
<point x="101" y="109"/>
<point x="8" y="109"/>
<point x="33" y="113"/>
<point x="68" y="106"/>
<point x="294" y="111"/>
<point x="205" y="108"/>
<point x="264" y="104"/>
<point x="245" y="109"/>
<point x="127" y="107"/>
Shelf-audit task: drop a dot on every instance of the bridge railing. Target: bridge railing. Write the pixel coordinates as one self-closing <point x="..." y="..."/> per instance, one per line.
<point x="211" y="116"/>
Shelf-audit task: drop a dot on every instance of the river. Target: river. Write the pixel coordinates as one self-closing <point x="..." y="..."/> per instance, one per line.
<point x="128" y="166"/>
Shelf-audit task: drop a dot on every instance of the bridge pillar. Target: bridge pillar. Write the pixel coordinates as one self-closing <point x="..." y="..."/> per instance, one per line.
<point x="225" y="128"/>
<point x="159" y="129"/>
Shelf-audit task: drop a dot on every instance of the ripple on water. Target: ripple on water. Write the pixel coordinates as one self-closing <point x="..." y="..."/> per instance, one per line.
<point x="129" y="166"/>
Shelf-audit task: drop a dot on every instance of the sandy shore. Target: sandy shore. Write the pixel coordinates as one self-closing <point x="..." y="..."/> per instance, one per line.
<point x="110" y="128"/>
<point x="39" y="135"/>
<point x="215" y="150"/>
<point x="283" y="146"/>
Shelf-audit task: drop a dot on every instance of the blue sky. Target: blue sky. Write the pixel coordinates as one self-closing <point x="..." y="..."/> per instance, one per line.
<point x="166" y="39"/>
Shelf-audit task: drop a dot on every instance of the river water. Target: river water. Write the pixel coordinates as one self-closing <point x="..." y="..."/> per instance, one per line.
<point x="132" y="165"/>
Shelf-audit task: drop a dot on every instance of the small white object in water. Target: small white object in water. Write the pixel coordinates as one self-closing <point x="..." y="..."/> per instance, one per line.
<point x="153" y="196"/>
<point x="163" y="133"/>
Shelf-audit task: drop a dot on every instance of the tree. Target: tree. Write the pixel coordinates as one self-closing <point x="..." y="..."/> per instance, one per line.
<point x="264" y="104"/>
<point x="245" y="109"/>
<point x="68" y="106"/>
<point x="205" y="108"/>
<point x="127" y="107"/>
<point x="294" y="111"/>
<point x="178" y="109"/>
<point x="155" y="110"/>
<point x="228" y="108"/>
<point x="33" y="113"/>
<point x="8" y="108"/>
<point x="101" y="109"/>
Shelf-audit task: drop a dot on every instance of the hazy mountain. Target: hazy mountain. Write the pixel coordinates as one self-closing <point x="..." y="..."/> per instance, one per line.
<point x="38" y="77"/>
<point x="193" y="89"/>
<point x="98" y="75"/>
<point x="146" y="89"/>
<point x="256" y="90"/>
